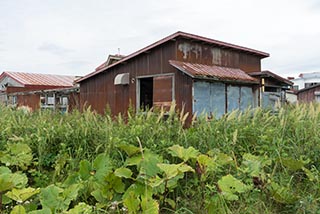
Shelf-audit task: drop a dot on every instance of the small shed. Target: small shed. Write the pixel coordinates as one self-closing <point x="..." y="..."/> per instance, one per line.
<point x="28" y="89"/>
<point x="310" y="94"/>
<point x="198" y="73"/>
<point x="273" y="88"/>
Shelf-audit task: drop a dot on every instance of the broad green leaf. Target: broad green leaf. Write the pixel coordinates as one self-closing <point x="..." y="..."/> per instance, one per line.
<point x="292" y="164"/>
<point x="17" y="154"/>
<point x="19" y="180"/>
<point x="19" y="209"/>
<point x="223" y="159"/>
<point x="229" y="186"/>
<point x="185" y="168"/>
<point x="131" y="201"/>
<point x="70" y="194"/>
<point x="148" y="164"/>
<point x="85" y="170"/>
<point x="21" y="195"/>
<point x="123" y="172"/>
<point x="81" y="208"/>
<point x="282" y="194"/>
<point x="149" y="205"/>
<point x="4" y="170"/>
<point x="129" y="149"/>
<point x="134" y="161"/>
<point x="253" y="165"/>
<point x="155" y="181"/>
<point x="42" y="211"/>
<point x="207" y="163"/>
<point x="102" y="166"/>
<point x="50" y="197"/>
<point x="170" y="170"/>
<point x="6" y="182"/>
<point x="115" y="183"/>
<point x="12" y="180"/>
<point x="182" y="153"/>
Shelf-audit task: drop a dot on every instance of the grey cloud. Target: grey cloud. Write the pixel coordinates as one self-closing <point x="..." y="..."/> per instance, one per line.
<point x="54" y="49"/>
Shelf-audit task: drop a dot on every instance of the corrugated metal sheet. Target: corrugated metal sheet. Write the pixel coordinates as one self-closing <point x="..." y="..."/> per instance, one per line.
<point x="213" y="72"/>
<point x="29" y="79"/>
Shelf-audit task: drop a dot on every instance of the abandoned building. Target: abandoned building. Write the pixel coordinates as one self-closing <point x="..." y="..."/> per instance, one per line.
<point x="309" y="94"/>
<point x="201" y="75"/>
<point x="37" y="91"/>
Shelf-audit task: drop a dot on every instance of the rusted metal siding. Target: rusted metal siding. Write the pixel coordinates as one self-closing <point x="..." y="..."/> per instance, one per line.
<point x="208" y="54"/>
<point x="308" y="95"/>
<point x="30" y="100"/>
<point x="99" y="91"/>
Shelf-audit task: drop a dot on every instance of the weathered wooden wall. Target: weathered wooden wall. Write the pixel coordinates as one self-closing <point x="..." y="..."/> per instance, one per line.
<point x="308" y="95"/>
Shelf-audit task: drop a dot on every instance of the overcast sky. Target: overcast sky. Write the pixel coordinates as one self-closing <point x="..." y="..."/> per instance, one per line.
<point x="75" y="36"/>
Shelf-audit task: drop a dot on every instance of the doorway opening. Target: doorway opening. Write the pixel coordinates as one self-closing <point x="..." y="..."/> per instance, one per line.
<point x="146" y="93"/>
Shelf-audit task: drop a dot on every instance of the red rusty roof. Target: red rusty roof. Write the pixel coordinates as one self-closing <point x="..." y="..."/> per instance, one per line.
<point x="28" y="79"/>
<point x="213" y="72"/>
<point x="172" y="37"/>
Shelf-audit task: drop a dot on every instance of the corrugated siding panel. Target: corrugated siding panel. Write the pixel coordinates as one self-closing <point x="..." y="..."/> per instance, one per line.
<point x="209" y="98"/>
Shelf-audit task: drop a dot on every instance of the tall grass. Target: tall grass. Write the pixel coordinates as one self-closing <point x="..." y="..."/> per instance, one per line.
<point x="291" y="133"/>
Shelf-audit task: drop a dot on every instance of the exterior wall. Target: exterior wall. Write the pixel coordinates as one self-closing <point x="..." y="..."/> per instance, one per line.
<point x="217" y="98"/>
<point x="99" y="91"/>
<point x="306" y="78"/>
<point x="291" y="97"/>
<point x="308" y="95"/>
<point x="12" y="89"/>
<point x="194" y="52"/>
<point x="30" y="100"/>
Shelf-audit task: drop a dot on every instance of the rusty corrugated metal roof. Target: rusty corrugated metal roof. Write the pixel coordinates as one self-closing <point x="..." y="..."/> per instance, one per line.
<point x="172" y="37"/>
<point x="272" y="75"/>
<point x="213" y="72"/>
<point x="29" y="79"/>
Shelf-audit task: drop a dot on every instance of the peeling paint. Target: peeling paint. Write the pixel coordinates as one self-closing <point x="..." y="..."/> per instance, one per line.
<point x="187" y="49"/>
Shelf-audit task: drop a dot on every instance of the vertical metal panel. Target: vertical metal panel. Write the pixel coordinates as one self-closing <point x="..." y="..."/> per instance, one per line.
<point x="209" y="98"/>
<point x="233" y="98"/>
<point x="246" y="98"/>
<point x="218" y="98"/>
<point x="201" y="101"/>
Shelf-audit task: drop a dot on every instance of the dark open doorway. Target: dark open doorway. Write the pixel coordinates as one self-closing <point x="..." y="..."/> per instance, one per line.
<point x="146" y="93"/>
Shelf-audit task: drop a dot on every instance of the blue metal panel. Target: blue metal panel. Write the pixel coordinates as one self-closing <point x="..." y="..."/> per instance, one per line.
<point x="233" y="95"/>
<point x="218" y="97"/>
<point x="201" y="101"/>
<point x="246" y="98"/>
<point x="209" y="98"/>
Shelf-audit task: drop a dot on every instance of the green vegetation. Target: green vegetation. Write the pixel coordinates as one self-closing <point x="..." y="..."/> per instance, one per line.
<point x="251" y="162"/>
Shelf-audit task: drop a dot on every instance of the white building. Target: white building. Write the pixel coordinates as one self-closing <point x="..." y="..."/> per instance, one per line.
<point x="306" y="80"/>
